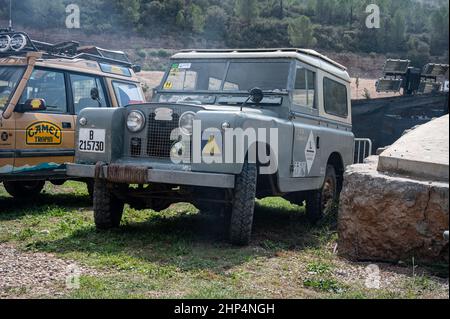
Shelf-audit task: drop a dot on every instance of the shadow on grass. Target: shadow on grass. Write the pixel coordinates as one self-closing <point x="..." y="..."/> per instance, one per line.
<point x="11" y="208"/>
<point x="194" y="241"/>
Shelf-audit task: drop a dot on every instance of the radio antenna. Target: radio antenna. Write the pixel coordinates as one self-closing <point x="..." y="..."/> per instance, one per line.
<point x="10" y="16"/>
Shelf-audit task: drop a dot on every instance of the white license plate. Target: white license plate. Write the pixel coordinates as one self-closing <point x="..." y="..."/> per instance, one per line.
<point x="91" y="140"/>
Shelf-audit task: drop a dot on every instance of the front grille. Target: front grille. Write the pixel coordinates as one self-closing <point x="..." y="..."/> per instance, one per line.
<point x="159" y="143"/>
<point x="136" y="147"/>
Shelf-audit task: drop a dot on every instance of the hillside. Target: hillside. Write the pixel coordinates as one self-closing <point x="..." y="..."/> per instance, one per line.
<point x="153" y="53"/>
<point x="413" y="29"/>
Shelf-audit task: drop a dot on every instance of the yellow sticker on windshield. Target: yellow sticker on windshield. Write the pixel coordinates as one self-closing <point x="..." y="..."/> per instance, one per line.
<point x="116" y="70"/>
<point x="168" y="85"/>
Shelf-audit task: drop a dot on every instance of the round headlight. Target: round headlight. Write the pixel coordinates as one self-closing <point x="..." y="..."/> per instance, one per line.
<point x="18" y="42"/>
<point x="135" y="121"/>
<point x="5" y="41"/>
<point x="187" y="123"/>
<point x="83" y="121"/>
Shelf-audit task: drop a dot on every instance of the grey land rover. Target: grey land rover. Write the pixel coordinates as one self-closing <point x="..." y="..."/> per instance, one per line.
<point x="224" y="127"/>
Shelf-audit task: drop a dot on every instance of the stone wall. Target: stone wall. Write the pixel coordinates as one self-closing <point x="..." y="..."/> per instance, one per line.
<point x="390" y="218"/>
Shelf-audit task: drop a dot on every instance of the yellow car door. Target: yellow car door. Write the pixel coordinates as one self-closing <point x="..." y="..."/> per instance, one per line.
<point x="9" y="78"/>
<point x="7" y="143"/>
<point x="45" y="139"/>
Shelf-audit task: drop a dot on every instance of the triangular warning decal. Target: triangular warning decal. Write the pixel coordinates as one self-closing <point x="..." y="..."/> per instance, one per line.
<point x="212" y="148"/>
<point x="310" y="152"/>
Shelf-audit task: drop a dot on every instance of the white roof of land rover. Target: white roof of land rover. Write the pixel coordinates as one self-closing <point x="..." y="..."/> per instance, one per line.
<point x="310" y="57"/>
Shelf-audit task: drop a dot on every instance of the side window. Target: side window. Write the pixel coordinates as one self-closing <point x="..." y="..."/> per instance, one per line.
<point x="214" y="84"/>
<point x="335" y="98"/>
<point x="305" y="88"/>
<point x="81" y="91"/>
<point x="128" y="93"/>
<point x="47" y="85"/>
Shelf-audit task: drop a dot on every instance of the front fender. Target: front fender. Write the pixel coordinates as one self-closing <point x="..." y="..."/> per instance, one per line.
<point x="112" y="120"/>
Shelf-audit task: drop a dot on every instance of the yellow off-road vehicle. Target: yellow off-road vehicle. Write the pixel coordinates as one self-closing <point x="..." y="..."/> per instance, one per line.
<point x="42" y="89"/>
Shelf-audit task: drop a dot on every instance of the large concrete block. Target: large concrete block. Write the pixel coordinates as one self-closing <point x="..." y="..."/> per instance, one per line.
<point x="422" y="153"/>
<point x="391" y="218"/>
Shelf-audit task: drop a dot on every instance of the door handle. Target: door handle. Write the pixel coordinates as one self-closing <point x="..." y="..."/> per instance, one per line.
<point x="66" y="125"/>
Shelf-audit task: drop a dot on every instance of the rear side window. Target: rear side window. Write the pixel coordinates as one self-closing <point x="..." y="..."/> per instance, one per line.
<point x="128" y="93"/>
<point x="335" y="98"/>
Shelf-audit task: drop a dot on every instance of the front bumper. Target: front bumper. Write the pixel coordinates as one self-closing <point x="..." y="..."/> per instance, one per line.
<point x="162" y="176"/>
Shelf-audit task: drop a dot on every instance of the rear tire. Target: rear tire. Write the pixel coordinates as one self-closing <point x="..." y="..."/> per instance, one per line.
<point x="321" y="202"/>
<point x="108" y="209"/>
<point x="243" y="206"/>
<point x="24" y="189"/>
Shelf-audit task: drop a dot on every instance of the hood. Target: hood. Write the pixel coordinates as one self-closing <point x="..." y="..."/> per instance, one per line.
<point x="213" y="108"/>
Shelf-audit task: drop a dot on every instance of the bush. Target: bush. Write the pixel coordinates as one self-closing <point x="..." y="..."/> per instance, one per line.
<point x="163" y="53"/>
<point x="263" y="33"/>
<point x="141" y="53"/>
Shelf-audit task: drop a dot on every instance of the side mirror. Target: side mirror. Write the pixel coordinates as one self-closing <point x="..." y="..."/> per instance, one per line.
<point x="95" y="95"/>
<point x="256" y="95"/>
<point x="32" y="105"/>
<point x="136" y="68"/>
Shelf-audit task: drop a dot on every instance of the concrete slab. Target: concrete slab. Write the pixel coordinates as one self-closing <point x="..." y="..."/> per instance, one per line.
<point x="422" y="153"/>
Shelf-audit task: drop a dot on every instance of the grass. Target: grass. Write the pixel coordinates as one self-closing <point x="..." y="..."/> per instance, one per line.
<point x="180" y="253"/>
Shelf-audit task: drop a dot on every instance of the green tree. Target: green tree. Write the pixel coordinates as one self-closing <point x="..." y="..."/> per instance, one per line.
<point x="419" y="51"/>
<point x="246" y="10"/>
<point x="129" y="11"/>
<point x="323" y="10"/>
<point x="398" y="32"/>
<point x="439" y="25"/>
<point x="215" y="21"/>
<point x="181" y="19"/>
<point x="196" y="18"/>
<point x="301" y="32"/>
<point x="151" y="13"/>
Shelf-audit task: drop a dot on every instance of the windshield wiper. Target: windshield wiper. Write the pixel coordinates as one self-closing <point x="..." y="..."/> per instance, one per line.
<point x="256" y="96"/>
<point x="267" y="101"/>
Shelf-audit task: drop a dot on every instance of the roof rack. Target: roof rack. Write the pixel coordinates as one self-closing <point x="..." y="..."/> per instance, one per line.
<point x="19" y="44"/>
<point x="309" y="52"/>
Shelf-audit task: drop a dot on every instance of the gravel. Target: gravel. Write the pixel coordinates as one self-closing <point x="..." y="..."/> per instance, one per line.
<point x="35" y="275"/>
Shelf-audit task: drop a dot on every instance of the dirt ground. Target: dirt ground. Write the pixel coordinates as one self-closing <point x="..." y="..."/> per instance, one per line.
<point x="179" y="253"/>
<point x="358" y="92"/>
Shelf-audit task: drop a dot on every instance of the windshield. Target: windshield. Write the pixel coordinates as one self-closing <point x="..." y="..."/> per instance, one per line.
<point x="234" y="76"/>
<point x="9" y="78"/>
<point x="198" y="76"/>
<point x="268" y="76"/>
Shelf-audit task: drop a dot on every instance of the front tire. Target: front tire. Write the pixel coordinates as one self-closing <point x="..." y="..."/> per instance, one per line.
<point x="321" y="202"/>
<point x="90" y="189"/>
<point x="24" y="189"/>
<point x="108" y="209"/>
<point x="243" y="206"/>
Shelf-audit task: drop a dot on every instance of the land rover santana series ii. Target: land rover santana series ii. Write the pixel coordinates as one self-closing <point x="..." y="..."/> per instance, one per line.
<point x="225" y="127"/>
<point x="43" y="87"/>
